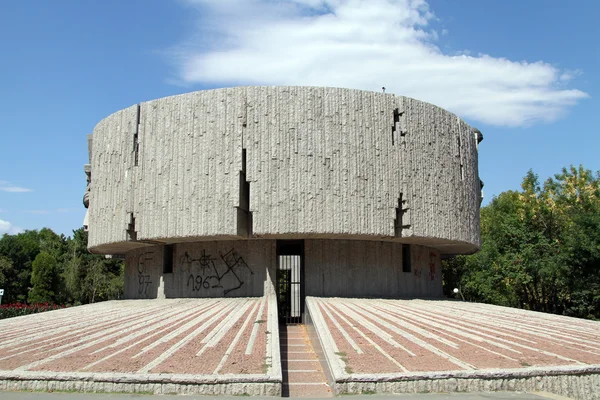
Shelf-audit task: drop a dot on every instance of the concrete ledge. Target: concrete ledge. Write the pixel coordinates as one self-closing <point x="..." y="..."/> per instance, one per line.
<point x="273" y="349"/>
<point x="263" y="385"/>
<point x="574" y="382"/>
<point x="315" y="339"/>
<point x="321" y="343"/>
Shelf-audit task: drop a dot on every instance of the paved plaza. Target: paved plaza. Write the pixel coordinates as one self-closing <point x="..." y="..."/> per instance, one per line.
<point x="407" y="336"/>
<point x="175" y="344"/>
<point x="400" y="346"/>
<point x="235" y="346"/>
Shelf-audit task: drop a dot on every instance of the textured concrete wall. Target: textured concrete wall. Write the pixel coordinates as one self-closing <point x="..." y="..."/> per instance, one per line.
<point x="144" y="273"/>
<point x="570" y="384"/>
<point x="112" y="173"/>
<point x="140" y="384"/>
<point x="284" y="162"/>
<point x="349" y="268"/>
<point x="206" y="269"/>
<point x="247" y="268"/>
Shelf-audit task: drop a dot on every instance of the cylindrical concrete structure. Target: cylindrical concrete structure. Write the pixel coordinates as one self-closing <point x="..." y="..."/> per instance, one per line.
<point x="228" y="173"/>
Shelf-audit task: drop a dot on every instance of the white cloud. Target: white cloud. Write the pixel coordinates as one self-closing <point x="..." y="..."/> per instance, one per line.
<point x="68" y="210"/>
<point x="7" y="227"/>
<point x="365" y="45"/>
<point x="15" y="189"/>
<point x="38" y="212"/>
<point x="57" y="210"/>
<point x="568" y="74"/>
<point x="5" y="186"/>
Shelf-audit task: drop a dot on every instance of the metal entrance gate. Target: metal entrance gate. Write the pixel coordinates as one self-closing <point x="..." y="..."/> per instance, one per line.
<point x="290" y="290"/>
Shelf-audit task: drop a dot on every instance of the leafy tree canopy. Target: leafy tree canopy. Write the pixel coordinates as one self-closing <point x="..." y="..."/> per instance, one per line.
<point x="41" y="266"/>
<point x="540" y="248"/>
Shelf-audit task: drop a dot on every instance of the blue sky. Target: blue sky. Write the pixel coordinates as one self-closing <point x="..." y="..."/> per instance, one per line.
<point x="526" y="73"/>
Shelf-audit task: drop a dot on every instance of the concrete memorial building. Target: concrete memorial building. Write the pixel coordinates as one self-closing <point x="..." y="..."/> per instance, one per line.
<point x="238" y="209"/>
<point x="294" y="191"/>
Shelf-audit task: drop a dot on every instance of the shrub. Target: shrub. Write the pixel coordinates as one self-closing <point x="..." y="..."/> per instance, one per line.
<point x="18" y="309"/>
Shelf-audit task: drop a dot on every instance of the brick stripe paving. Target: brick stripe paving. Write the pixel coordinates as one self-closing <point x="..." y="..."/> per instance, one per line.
<point x="404" y="336"/>
<point x="302" y="372"/>
<point x="192" y="336"/>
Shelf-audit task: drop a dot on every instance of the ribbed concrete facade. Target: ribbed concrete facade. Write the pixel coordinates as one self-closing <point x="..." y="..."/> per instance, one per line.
<point x="254" y="165"/>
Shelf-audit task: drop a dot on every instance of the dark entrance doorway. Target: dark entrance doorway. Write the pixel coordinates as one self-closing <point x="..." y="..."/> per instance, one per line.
<point x="290" y="275"/>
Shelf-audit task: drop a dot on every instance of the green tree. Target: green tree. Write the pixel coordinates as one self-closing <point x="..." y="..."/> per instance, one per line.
<point x="540" y="248"/>
<point x="44" y="278"/>
<point x="575" y="196"/>
<point x="21" y="250"/>
<point x="64" y="272"/>
<point x="6" y="269"/>
<point x="75" y="266"/>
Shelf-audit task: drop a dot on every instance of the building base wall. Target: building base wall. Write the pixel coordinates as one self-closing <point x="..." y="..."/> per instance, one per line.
<point x="352" y="268"/>
<point x="247" y="268"/>
<point x="230" y="268"/>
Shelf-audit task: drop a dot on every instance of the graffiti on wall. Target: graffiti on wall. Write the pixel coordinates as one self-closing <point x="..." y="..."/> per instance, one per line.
<point x="144" y="279"/>
<point x="432" y="260"/>
<point x="421" y="266"/>
<point x="417" y="271"/>
<point x="211" y="271"/>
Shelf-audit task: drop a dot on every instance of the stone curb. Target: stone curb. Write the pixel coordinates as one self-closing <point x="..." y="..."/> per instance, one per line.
<point x="136" y="378"/>
<point x="254" y="385"/>
<point x="480" y="374"/>
<point x="333" y="361"/>
<point x="582" y="383"/>
<point x="273" y="327"/>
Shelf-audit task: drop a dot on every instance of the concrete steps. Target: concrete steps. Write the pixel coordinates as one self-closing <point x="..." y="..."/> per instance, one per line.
<point x="303" y="375"/>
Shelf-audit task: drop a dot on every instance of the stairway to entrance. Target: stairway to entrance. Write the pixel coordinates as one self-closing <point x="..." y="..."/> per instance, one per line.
<point x="302" y="373"/>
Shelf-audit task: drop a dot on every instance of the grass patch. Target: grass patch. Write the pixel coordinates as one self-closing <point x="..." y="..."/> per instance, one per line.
<point x="524" y="364"/>
<point x="265" y="367"/>
<point x="344" y="357"/>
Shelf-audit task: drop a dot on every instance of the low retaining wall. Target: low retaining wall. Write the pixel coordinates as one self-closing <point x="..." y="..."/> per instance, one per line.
<point x="253" y="385"/>
<point x="574" y="382"/>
